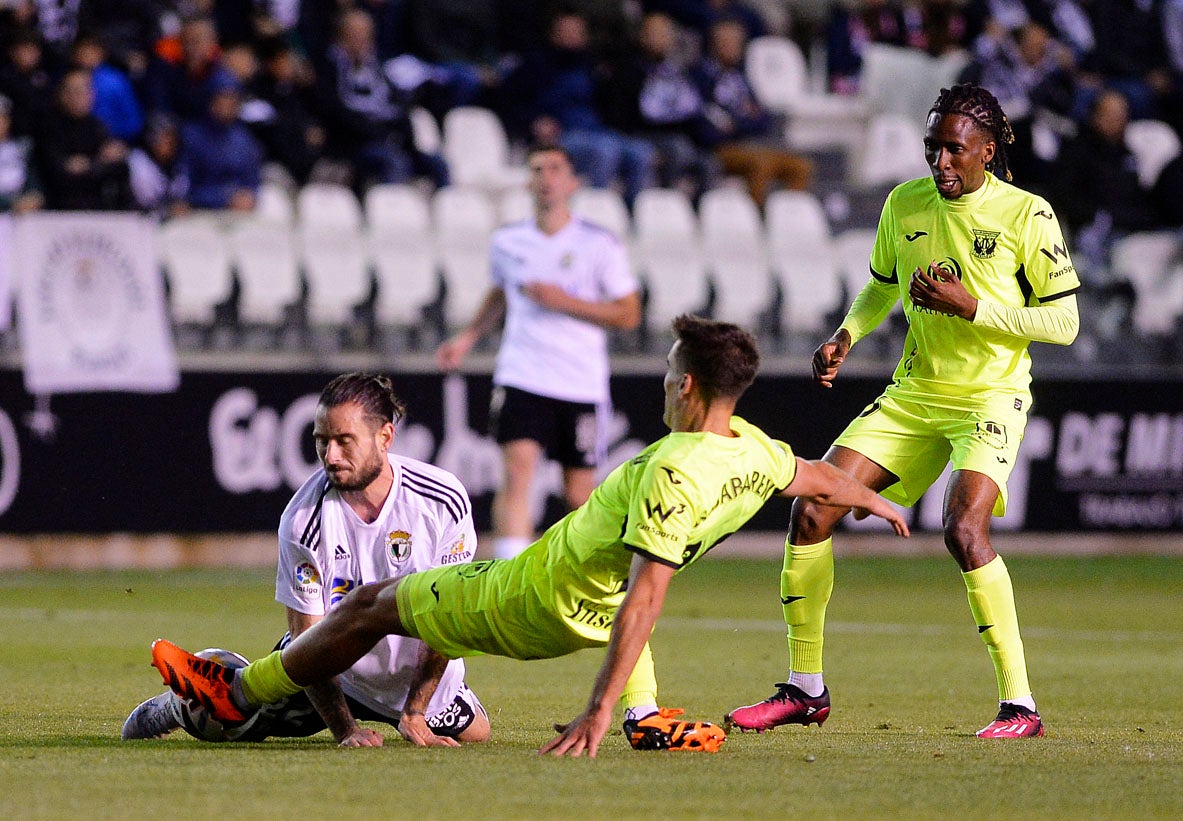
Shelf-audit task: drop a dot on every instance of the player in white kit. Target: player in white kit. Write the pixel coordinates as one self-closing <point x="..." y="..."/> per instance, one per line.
<point x="367" y="515"/>
<point x="559" y="282"/>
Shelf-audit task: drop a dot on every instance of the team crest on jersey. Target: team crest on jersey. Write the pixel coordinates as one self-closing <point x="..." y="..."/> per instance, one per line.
<point x="398" y="542"/>
<point x="985" y="243"/>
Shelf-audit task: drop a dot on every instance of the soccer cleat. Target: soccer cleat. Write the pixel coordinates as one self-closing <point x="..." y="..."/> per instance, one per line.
<point x="154" y="718"/>
<point x="200" y="681"/>
<point x="788" y="705"/>
<point x="1014" y="721"/>
<point x="664" y="731"/>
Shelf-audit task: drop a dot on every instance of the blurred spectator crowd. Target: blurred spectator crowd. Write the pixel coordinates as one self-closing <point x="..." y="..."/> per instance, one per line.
<point x="171" y="106"/>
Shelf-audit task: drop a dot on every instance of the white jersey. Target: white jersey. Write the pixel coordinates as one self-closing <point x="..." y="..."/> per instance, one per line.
<point x="326" y="550"/>
<point x="543" y="351"/>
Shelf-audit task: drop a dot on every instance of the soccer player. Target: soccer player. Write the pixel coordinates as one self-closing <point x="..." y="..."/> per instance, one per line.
<point x="365" y="518"/>
<point x="597" y="577"/>
<point x="982" y="270"/>
<point x="558" y="282"/>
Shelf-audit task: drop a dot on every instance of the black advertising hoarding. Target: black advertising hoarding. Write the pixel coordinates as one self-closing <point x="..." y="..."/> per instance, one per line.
<point x="224" y="452"/>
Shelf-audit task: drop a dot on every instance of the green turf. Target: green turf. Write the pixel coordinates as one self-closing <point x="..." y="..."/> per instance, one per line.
<point x="910" y="678"/>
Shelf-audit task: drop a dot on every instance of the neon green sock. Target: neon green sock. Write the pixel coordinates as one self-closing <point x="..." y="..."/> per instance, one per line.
<point x="266" y="682"/>
<point x="641" y="687"/>
<point x="805" y="586"/>
<point x="992" y="602"/>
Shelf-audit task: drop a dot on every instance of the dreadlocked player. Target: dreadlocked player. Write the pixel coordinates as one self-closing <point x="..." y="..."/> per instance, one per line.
<point x="982" y="270"/>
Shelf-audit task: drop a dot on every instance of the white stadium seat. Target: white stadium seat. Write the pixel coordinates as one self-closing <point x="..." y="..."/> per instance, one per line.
<point x="514" y="205"/>
<point x="193" y="250"/>
<point x="804" y="259"/>
<point x="477" y="150"/>
<point x="464" y="219"/>
<point x="669" y="254"/>
<point x="733" y="242"/>
<point x="332" y="252"/>
<point x="275" y="204"/>
<point x="776" y="68"/>
<point x="854" y="258"/>
<point x="264" y="255"/>
<point x="605" y="207"/>
<point x="1154" y="144"/>
<point x="425" y="131"/>
<point x="893" y="151"/>
<point x="398" y="220"/>
<point x="1153" y="262"/>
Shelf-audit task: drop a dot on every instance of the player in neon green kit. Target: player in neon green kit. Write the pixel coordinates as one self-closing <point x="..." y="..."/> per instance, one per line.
<point x="597" y="577"/>
<point x="982" y="271"/>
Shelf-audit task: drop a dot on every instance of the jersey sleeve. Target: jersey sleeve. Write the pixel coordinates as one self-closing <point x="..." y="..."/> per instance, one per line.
<point x="661" y="515"/>
<point x="457" y="540"/>
<point x="617" y="278"/>
<point x="497" y="260"/>
<point x="299" y="577"/>
<point x="1048" y="273"/>
<point x="884" y="252"/>
<point x="786" y="467"/>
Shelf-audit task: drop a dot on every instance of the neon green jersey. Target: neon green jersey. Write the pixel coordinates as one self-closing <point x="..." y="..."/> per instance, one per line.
<point x="1006" y="246"/>
<point x="671" y="503"/>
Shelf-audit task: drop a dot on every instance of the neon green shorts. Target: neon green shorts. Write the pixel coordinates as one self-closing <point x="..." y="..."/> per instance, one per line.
<point x="487" y="608"/>
<point x="915" y="440"/>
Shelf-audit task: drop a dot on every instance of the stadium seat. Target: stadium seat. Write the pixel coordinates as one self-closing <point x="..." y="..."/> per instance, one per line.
<point x="273" y="203"/>
<point x="398" y="222"/>
<point x="605" y="207"/>
<point x="195" y="256"/>
<point x="464" y="219"/>
<point x="477" y="150"/>
<point x="328" y="204"/>
<point x="776" y="68"/>
<point x="733" y="243"/>
<point x="906" y="81"/>
<point x="425" y="131"/>
<point x="264" y="255"/>
<point x="669" y="255"/>
<point x="1154" y="144"/>
<point x="893" y="151"/>
<point x="514" y="205"/>
<point x="804" y="259"/>
<point x="1153" y="262"/>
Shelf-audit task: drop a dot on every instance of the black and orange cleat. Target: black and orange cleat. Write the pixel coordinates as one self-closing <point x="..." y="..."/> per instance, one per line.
<point x="663" y="730"/>
<point x="200" y="681"/>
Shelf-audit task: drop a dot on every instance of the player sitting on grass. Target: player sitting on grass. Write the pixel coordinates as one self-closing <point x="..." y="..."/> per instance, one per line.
<point x="597" y="577"/>
<point x="366" y="516"/>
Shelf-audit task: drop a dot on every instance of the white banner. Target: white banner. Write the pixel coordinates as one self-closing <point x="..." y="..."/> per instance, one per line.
<point x="91" y="305"/>
<point x="5" y="270"/>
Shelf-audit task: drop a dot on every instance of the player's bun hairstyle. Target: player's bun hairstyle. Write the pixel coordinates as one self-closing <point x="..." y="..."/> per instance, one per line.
<point x="374" y="392"/>
<point x="982" y="107"/>
<point x="722" y="357"/>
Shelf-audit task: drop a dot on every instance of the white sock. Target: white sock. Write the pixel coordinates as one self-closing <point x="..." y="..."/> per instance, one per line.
<point x="811" y="683"/>
<point x="1027" y="701"/>
<point x="639" y="712"/>
<point x="506" y="547"/>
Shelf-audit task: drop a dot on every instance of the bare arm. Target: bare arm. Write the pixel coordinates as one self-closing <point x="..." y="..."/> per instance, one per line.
<point x="623" y="314"/>
<point x="829" y="485"/>
<point x="648" y="581"/>
<point x="413" y="723"/>
<point x="451" y="353"/>
<point x="329" y="701"/>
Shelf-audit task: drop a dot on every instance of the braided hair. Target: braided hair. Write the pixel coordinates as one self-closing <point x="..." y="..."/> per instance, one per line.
<point x="982" y="107"/>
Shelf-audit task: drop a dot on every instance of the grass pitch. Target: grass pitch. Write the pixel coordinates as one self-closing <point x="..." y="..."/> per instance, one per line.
<point x="910" y="678"/>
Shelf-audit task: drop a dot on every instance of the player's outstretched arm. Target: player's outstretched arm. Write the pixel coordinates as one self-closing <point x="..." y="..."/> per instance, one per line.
<point x="648" y="582"/>
<point x="329" y="701"/>
<point x="829" y="356"/>
<point x="829" y="485"/>
<point x="412" y="725"/>
<point x="452" y="351"/>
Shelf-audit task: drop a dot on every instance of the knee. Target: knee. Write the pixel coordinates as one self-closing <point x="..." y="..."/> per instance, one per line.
<point x="967" y="542"/>
<point x="811" y="522"/>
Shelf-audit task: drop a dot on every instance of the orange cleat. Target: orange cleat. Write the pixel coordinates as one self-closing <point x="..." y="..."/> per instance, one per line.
<point x="200" y="681"/>
<point x="664" y="731"/>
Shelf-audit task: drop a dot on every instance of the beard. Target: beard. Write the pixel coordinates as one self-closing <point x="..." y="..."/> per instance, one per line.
<point x="361" y="477"/>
